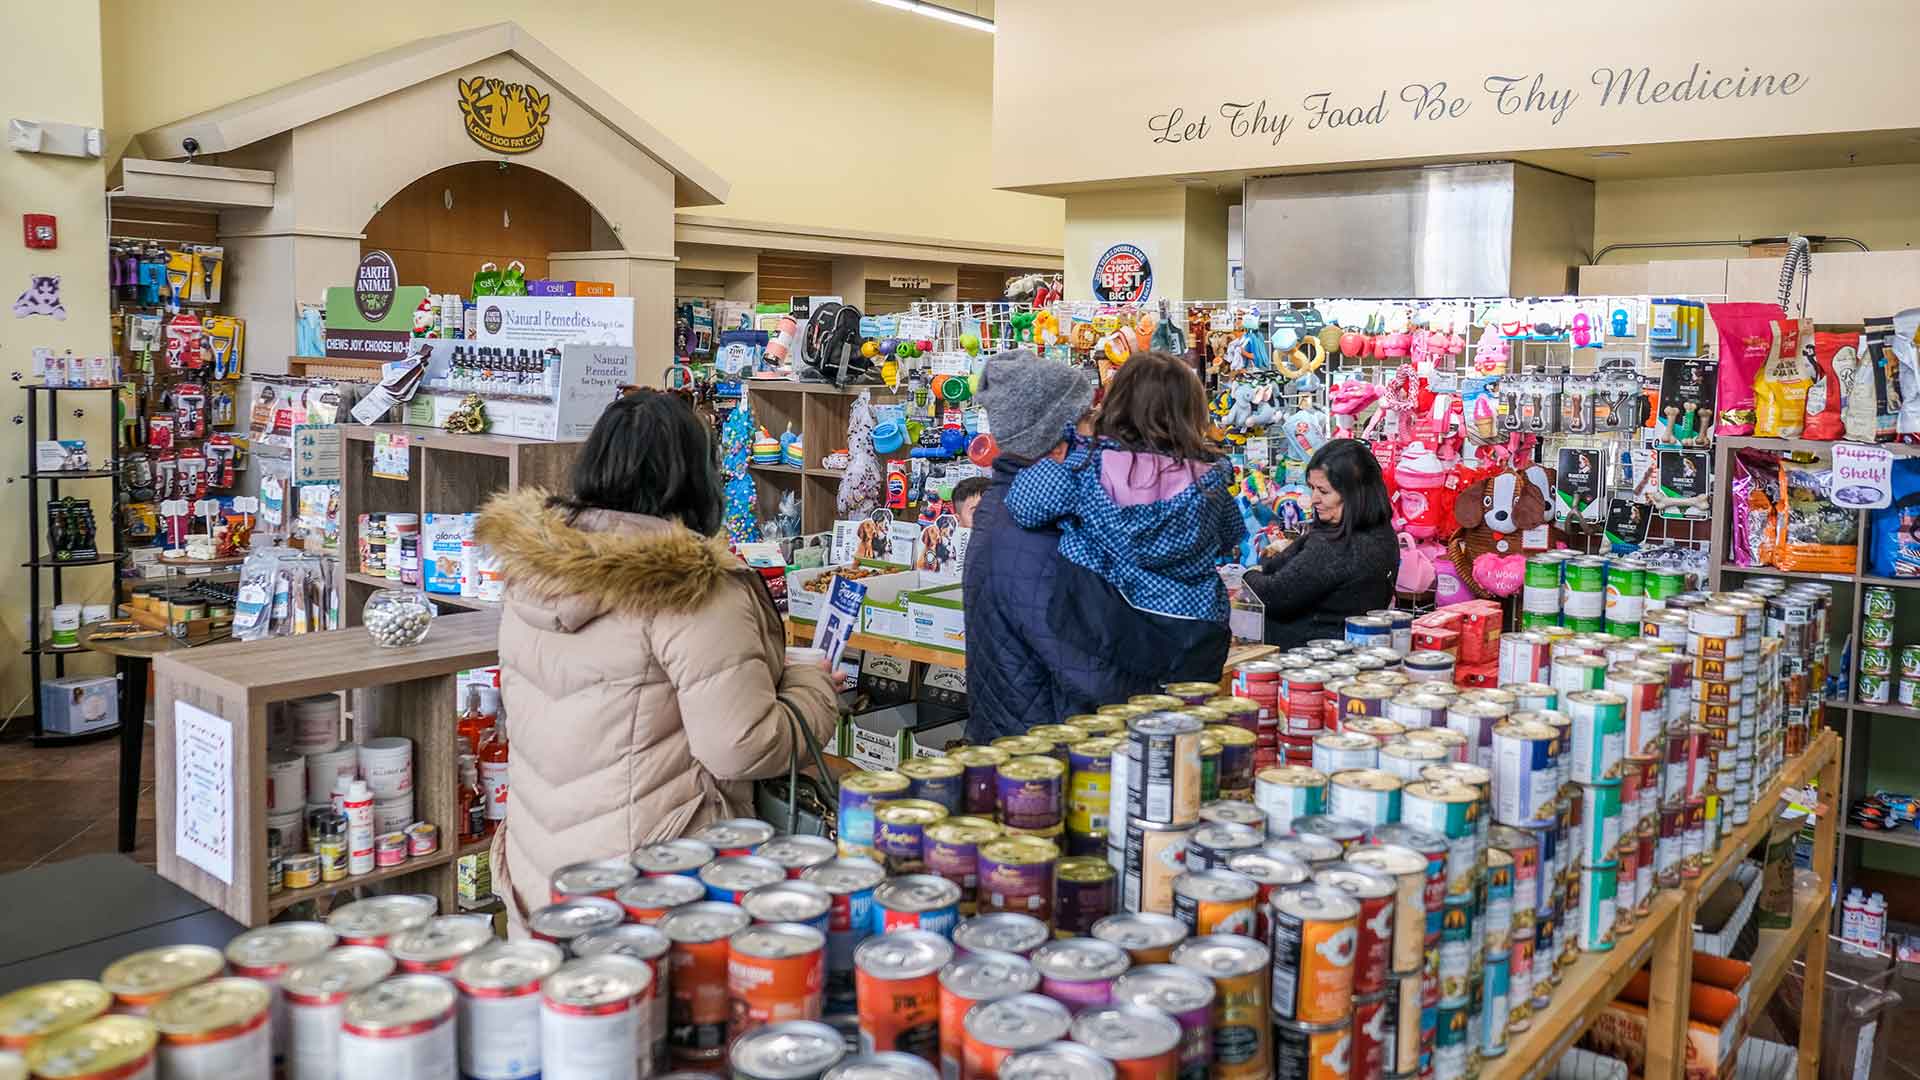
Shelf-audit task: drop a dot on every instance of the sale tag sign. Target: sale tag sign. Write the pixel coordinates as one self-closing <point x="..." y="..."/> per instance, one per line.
<point x="1862" y="476"/>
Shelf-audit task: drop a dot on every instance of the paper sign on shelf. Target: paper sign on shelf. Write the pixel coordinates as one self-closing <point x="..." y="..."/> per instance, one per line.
<point x="1862" y="476"/>
<point x="203" y="792"/>
<point x="316" y="454"/>
<point x="391" y="460"/>
<point x="839" y="618"/>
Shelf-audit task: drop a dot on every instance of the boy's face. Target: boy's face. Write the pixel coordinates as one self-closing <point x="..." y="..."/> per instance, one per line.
<point x="963" y="510"/>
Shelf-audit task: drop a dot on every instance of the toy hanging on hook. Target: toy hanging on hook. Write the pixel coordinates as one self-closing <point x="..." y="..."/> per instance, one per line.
<point x="1250" y="351"/>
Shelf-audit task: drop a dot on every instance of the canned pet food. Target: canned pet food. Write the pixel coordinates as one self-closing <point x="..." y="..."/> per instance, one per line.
<point x="900" y="833"/>
<point x="1237" y="746"/>
<point x="968" y="981"/>
<point x="1163" y="769"/>
<point x="1416" y="709"/>
<point x="1182" y="994"/>
<point x="1142" y="1043"/>
<point x="1338" y="751"/>
<point x="1526" y="776"/>
<point x="1578" y="671"/>
<point x="1086" y="890"/>
<point x="980" y="778"/>
<point x="1147" y="937"/>
<point x="730" y="877"/>
<point x="139" y="981"/>
<point x="650" y="898"/>
<point x="29" y="1015"/>
<point x="1213" y="842"/>
<point x="995" y="1030"/>
<point x="1154" y="856"/>
<point x="775" y="972"/>
<point x="938" y="780"/>
<point x="217" y="1028"/>
<point x="795" y="1049"/>
<point x="1405" y="870"/>
<point x="316" y="994"/>
<point x="651" y="947"/>
<point x="561" y="923"/>
<point x="1215" y="902"/>
<point x="1369" y="796"/>
<point x="1312" y="1051"/>
<point x="1090" y="791"/>
<point x="1315" y="938"/>
<point x="592" y="1018"/>
<point x="685" y="857"/>
<point x="953" y="852"/>
<point x="698" y="1011"/>
<point x="861" y="793"/>
<point x="1017" y="874"/>
<point x="1238" y="967"/>
<point x="601" y="878"/>
<point x="1079" y="972"/>
<point x="734" y="836"/>
<point x="1475" y="719"/>
<point x="405" y="1024"/>
<point x="1344" y="831"/>
<point x="789" y="902"/>
<point x="1452" y="742"/>
<point x="1000" y="932"/>
<point x="1289" y="791"/>
<point x="434" y="947"/>
<point x="796" y="852"/>
<point x="1373" y="942"/>
<point x="1405" y="759"/>
<point x="1032" y="793"/>
<point x="108" y="1048"/>
<point x="918" y="902"/>
<point x="1452" y="811"/>
<point x="499" y="1006"/>
<point x="899" y="992"/>
<point x="1598" y="882"/>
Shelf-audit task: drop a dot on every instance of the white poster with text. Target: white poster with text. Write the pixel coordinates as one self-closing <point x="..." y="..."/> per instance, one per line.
<point x="203" y="791"/>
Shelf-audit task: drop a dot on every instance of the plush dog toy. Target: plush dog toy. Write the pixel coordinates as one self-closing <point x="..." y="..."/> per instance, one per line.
<point x="1493" y="511"/>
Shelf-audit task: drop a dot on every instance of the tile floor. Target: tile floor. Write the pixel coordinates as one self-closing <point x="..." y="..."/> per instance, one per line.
<point x="62" y="802"/>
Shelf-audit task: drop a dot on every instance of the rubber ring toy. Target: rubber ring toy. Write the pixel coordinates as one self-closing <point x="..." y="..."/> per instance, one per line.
<point x="888" y="436"/>
<point x="955" y="389"/>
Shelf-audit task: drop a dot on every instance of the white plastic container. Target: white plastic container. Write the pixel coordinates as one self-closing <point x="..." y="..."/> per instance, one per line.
<point x="387" y="766"/>
<point x="293" y="829"/>
<point x="286" y="782"/>
<point x="316" y="723"/>
<point x="324" y="768"/>
<point x="393" y="815"/>
<point x="66" y="626"/>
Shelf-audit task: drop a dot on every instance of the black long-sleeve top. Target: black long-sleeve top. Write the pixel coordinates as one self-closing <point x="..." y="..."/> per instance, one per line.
<point x="1317" y="581"/>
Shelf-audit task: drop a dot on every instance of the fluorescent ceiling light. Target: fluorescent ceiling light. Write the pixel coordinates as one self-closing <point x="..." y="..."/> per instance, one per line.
<point x="1608" y="154"/>
<point x="944" y="14"/>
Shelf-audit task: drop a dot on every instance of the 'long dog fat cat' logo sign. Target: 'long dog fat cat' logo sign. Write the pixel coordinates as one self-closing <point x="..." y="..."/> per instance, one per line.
<point x="507" y="118"/>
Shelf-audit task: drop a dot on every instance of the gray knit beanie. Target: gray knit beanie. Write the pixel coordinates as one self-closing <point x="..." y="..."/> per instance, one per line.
<point x="1030" y="401"/>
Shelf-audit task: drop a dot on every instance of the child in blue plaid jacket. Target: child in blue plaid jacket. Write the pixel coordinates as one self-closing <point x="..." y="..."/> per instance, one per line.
<point x="1145" y="505"/>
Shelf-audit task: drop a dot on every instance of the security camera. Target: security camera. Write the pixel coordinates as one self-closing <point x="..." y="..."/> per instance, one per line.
<point x="191" y="145"/>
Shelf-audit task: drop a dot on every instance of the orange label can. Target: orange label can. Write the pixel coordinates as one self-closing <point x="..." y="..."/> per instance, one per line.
<point x="699" y="1010"/>
<point x="1315" y="939"/>
<point x="897" y="982"/>
<point x="775" y="972"/>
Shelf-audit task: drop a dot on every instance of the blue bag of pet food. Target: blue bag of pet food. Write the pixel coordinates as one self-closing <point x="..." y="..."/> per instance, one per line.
<point x="1895" y="529"/>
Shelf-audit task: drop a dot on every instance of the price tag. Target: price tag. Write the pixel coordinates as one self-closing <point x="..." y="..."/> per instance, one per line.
<point x="1862" y="476"/>
<point x="173" y="508"/>
<point x="246" y="504"/>
<point x="206" y="507"/>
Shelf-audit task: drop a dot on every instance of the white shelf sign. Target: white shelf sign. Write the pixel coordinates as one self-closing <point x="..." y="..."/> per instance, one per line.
<point x="203" y="792"/>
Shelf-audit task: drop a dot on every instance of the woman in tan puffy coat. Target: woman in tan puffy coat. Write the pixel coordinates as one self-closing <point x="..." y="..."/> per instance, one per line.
<point x="642" y="666"/>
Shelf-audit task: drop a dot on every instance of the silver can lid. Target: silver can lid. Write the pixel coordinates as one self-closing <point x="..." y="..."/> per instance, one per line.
<point x="1269" y="867"/>
<point x="845" y="875"/>
<point x="508" y="965"/>
<point x="1224" y="835"/>
<point x="1126" y="1032"/>
<point x="708" y="920"/>
<point x="638" y="940"/>
<point x="1057" y="1061"/>
<point x="1080" y="959"/>
<point x="568" y="919"/>
<point x="1215" y="885"/>
<point x="740" y="873"/>
<point x="672" y="856"/>
<point x="336" y="973"/>
<point x="787" y="901"/>
<point x="1141" y="930"/>
<point x="1167" y="987"/>
<point x="1001" y="931"/>
<point x="1424" y="841"/>
<point x="1392" y="859"/>
<point x="399" y="1002"/>
<point x="381" y="916"/>
<point x="1018" y="1022"/>
<point x="792" y="1050"/>
<point x="797" y="851"/>
<point x="656" y="893"/>
<point x="1234" y="811"/>
<point x="597" y="980"/>
<point x="1220" y="956"/>
<point x="983" y="976"/>
<point x="903" y="954"/>
<point x="1309" y="848"/>
<point x="280" y="944"/>
<point x="775" y="941"/>
<point x="890" y="1065"/>
<point x="587" y="878"/>
<point x="916" y="892"/>
<point x="733" y="833"/>
<point x="442" y="937"/>
<point x="1318" y="902"/>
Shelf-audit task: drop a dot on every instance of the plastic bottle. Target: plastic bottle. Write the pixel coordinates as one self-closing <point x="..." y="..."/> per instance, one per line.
<point x="473" y="801"/>
<point x="358" y="806"/>
<point x="474" y="726"/>
<point x="1852" y="912"/>
<point x="1873" y="925"/>
<point x="493" y="778"/>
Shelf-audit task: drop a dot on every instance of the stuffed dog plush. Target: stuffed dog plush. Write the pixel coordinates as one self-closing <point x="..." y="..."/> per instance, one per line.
<point x="1493" y="512"/>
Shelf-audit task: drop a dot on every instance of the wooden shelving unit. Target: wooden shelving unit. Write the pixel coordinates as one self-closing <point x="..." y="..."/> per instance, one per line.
<point x="1662" y="942"/>
<point x="447" y="474"/>
<point x="818" y="413"/>
<point x="407" y="691"/>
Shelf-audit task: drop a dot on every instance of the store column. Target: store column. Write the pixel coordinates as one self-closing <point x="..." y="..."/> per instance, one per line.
<point x="1162" y="242"/>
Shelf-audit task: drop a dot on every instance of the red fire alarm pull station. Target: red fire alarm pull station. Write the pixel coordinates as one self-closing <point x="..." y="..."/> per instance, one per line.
<point x="41" y="231"/>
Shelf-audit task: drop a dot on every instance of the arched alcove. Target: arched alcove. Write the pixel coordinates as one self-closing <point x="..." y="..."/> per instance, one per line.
<point x="443" y="226"/>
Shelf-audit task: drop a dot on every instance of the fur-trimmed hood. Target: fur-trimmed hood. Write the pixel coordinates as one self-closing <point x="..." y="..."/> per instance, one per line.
<point x="601" y="562"/>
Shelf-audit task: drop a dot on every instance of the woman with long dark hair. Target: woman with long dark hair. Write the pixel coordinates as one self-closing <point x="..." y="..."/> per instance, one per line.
<point x="1345" y="562"/>
<point x="642" y="666"/>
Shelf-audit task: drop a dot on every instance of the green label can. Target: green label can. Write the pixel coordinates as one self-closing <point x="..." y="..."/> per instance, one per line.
<point x="1624" y="629"/>
<point x="1543" y="571"/>
<point x="1585" y="624"/>
<point x="1599" y="822"/>
<point x="1878" y="603"/>
<point x="1598" y="887"/>
<point x="1876" y="631"/>
<point x="1535" y="620"/>
<point x="1663" y="584"/>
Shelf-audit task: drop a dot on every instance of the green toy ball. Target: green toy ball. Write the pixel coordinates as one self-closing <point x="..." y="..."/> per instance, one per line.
<point x="971" y="343"/>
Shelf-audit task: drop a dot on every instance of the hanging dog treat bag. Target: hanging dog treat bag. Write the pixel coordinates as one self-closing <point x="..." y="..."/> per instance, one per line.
<point x="1751" y="335"/>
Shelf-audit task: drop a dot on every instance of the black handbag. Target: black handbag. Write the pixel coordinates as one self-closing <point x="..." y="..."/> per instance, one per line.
<point x="800" y="803"/>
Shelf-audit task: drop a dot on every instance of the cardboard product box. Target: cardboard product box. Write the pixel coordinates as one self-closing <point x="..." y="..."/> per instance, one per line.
<point x="804" y="607"/>
<point x="944" y="686"/>
<point x="1713" y="1026"/>
<point x="549" y="287"/>
<point x="884" y="611"/>
<point x="883" y="738"/>
<point x="474" y="876"/>
<point x="79" y="704"/>
<point x="1437" y="638"/>
<point x="592" y="288"/>
<point x="938" y="618"/>
<point x="1477" y="675"/>
<point x="886" y="680"/>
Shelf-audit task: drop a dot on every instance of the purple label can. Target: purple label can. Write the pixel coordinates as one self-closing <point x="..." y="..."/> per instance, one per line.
<point x="900" y="833"/>
<point x="1079" y="972"/>
<point x="1033" y="793"/>
<point x="1182" y="993"/>
<point x="953" y="852"/>
<point x="980" y="778"/>
<point x="1085" y="890"/>
<point x="1016" y="874"/>
<point x="940" y="780"/>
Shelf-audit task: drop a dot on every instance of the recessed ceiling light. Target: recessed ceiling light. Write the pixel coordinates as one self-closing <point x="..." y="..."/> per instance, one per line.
<point x="1608" y="153"/>
<point x="944" y="14"/>
<point x="1191" y="181"/>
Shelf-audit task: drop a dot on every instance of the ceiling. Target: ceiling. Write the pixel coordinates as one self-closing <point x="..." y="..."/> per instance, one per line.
<point x="982" y="8"/>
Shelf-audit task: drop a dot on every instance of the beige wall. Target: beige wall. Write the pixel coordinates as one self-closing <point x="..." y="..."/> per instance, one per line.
<point x="1879" y="205"/>
<point x="1109" y="67"/>
<point x="833" y="113"/>
<point x="56" y="79"/>
<point x="1183" y="230"/>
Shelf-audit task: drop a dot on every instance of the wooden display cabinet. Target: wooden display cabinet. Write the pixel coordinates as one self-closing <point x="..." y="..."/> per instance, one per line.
<point x="446" y="474"/>
<point x="408" y="691"/>
<point x="818" y="414"/>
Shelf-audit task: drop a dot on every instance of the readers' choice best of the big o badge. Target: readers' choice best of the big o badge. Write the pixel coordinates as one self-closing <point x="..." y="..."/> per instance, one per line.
<point x="1122" y="275"/>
